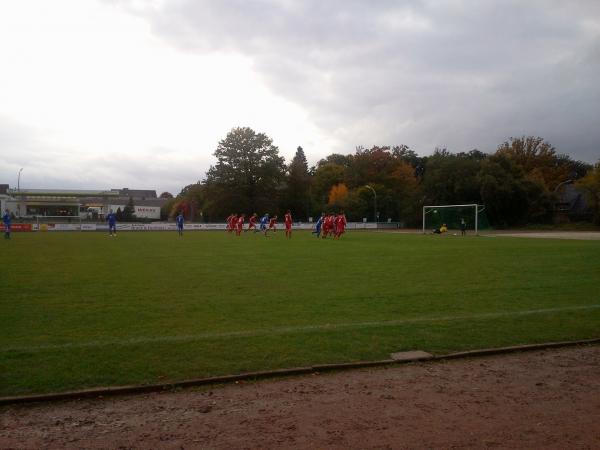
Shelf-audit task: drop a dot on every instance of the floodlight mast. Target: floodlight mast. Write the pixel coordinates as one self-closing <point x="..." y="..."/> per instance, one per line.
<point x="475" y="205"/>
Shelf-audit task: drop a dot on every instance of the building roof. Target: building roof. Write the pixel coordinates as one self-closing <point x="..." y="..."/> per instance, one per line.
<point x="141" y="194"/>
<point x="60" y="193"/>
<point x="148" y="202"/>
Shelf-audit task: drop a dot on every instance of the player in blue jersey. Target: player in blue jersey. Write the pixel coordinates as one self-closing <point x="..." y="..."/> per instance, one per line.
<point x="111" y="218"/>
<point x="6" y="220"/>
<point x="318" y="225"/>
<point x="264" y="221"/>
<point x="179" y="221"/>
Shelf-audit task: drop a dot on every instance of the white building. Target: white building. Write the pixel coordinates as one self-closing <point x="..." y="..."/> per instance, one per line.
<point x="85" y="204"/>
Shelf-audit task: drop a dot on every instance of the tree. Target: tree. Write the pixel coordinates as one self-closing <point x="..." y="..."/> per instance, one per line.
<point x="511" y="198"/>
<point x="539" y="160"/>
<point x="335" y="158"/>
<point x="326" y="176"/>
<point x="404" y="153"/>
<point x="247" y="175"/>
<point x="165" y="195"/>
<point x="165" y="210"/>
<point x="193" y="196"/>
<point x="451" y="178"/>
<point x="590" y="185"/>
<point x="392" y="174"/>
<point x="338" y="196"/>
<point x="129" y="210"/>
<point x="298" y="186"/>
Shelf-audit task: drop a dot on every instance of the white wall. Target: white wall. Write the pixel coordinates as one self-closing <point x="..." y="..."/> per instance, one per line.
<point x="141" y="212"/>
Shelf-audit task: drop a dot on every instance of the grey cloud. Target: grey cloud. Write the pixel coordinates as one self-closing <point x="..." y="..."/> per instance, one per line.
<point x="461" y="74"/>
<point x="46" y="166"/>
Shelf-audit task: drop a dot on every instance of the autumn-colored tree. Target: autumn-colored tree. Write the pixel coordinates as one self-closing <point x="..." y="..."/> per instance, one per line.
<point x="181" y="206"/>
<point x="338" y="195"/>
<point x="539" y="160"/>
<point x="325" y="177"/>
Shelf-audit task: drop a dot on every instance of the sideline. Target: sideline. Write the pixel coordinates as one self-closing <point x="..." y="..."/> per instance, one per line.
<point x="137" y="389"/>
<point x="290" y="330"/>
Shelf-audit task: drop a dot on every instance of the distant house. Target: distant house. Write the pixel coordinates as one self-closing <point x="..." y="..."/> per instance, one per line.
<point x="570" y="202"/>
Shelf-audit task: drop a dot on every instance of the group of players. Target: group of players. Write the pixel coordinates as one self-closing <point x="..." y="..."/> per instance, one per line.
<point x="331" y="224"/>
<point x="328" y="224"/>
<point x="235" y="224"/>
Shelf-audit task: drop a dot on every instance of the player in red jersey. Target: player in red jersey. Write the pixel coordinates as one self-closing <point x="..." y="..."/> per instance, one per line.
<point x="288" y="224"/>
<point x="340" y="222"/>
<point x="228" y="222"/>
<point x="232" y="222"/>
<point x="272" y="225"/>
<point x="240" y="224"/>
<point x="252" y="222"/>
<point x="327" y="225"/>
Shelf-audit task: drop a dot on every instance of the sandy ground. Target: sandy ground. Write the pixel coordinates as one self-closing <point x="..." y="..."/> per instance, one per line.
<point x="546" y="399"/>
<point x="581" y="235"/>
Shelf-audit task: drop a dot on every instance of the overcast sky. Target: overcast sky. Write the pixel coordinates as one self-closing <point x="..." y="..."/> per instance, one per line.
<point x="110" y="93"/>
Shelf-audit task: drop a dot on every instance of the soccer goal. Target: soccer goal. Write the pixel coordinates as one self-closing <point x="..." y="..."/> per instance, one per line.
<point x="57" y="223"/>
<point x="452" y="215"/>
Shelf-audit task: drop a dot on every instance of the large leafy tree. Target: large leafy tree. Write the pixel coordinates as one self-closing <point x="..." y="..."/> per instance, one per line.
<point x="452" y="178"/>
<point x="190" y="201"/>
<point x="326" y="175"/>
<point x="247" y="175"/>
<point x="511" y="197"/>
<point x="390" y="172"/>
<point x="541" y="162"/>
<point x="298" y="186"/>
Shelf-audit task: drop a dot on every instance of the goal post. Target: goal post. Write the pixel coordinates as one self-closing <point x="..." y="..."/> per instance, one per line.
<point x="452" y="216"/>
<point x="57" y="223"/>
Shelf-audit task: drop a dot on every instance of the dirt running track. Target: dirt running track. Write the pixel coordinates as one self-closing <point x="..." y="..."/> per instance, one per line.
<point x="546" y="399"/>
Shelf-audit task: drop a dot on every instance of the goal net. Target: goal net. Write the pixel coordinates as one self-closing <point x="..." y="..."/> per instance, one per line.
<point x="57" y="223"/>
<point x="474" y="216"/>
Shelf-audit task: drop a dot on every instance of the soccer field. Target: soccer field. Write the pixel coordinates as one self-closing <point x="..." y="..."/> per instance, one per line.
<point x="83" y="309"/>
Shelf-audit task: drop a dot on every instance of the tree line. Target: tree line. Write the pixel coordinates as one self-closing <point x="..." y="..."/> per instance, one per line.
<point x="519" y="183"/>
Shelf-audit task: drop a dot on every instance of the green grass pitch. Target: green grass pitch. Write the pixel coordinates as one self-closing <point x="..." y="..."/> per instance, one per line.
<point x="83" y="309"/>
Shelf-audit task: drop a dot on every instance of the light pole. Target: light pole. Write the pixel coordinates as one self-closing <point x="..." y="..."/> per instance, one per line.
<point x="19" y="192"/>
<point x="374" y="203"/>
<point x="560" y="184"/>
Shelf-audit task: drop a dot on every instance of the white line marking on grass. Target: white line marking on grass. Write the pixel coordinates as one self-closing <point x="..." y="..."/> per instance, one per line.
<point x="287" y="330"/>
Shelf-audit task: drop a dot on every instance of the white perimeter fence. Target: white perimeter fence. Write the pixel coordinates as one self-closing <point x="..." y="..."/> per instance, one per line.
<point x="171" y="226"/>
